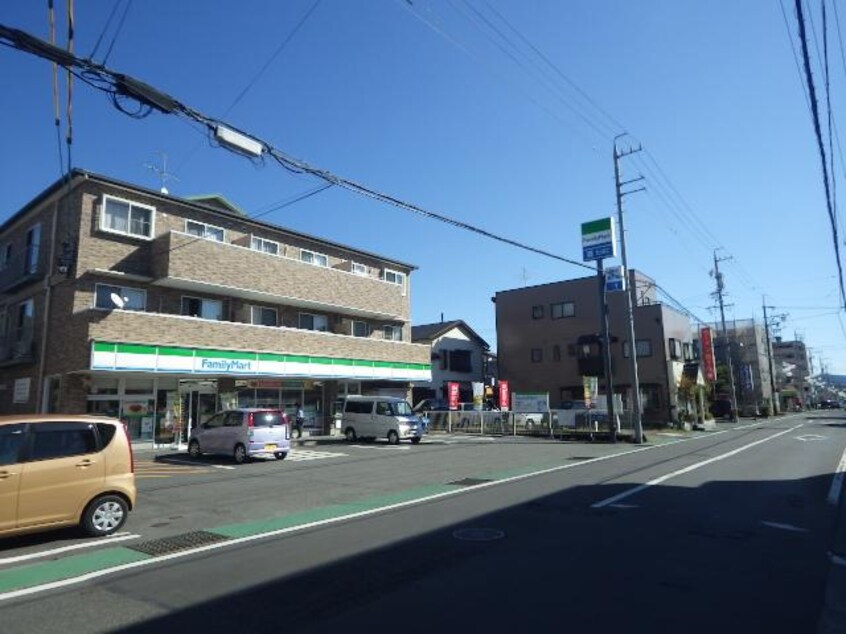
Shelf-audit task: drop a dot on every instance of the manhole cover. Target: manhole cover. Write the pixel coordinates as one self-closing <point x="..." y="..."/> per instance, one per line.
<point x="168" y="545"/>
<point x="469" y="482"/>
<point x="478" y="534"/>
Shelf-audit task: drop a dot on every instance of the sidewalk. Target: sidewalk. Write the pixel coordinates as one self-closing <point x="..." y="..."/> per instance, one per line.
<point x="833" y="618"/>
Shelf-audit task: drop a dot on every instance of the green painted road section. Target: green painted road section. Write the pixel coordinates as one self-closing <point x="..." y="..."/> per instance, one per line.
<point x="67" y="567"/>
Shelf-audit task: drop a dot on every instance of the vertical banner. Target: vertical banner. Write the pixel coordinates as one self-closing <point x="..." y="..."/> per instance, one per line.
<point x="452" y="390"/>
<point x="478" y="395"/>
<point x="709" y="367"/>
<point x="504" y="396"/>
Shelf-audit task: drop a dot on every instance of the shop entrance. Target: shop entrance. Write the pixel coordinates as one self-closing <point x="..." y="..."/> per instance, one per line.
<point x="199" y="401"/>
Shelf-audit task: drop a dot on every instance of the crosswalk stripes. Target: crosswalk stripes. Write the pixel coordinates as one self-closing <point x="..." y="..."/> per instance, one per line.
<point x="301" y="455"/>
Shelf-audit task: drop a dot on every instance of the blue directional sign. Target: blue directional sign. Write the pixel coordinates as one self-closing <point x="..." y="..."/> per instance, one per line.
<point x="615" y="279"/>
<point x="598" y="239"/>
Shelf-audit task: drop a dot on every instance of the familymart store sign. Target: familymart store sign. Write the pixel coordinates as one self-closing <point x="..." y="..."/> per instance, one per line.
<point x="129" y="357"/>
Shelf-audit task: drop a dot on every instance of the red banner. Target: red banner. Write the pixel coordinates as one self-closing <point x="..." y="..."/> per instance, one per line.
<point x="504" y="396"/>
<point x="706" y="344"/>
<point x="452" y="389"/>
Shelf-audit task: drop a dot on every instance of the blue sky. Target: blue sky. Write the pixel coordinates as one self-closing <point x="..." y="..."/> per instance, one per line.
<point x="423" y="100"/>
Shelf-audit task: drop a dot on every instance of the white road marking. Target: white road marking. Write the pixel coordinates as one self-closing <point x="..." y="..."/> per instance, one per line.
<point x="193" y="464"/>
<point x="838" y="560"/>
<point x="642" y="487"/>
<point x="117" y="537"/>
<point x="837" y="481"/>
<point x="785" y="527"/>
<point x="807" y="437"/>
<point x="388" y="448"/>
<point x="301" y="455"/>
<point x="623" y="506"/>
<point x="63" y="583"/>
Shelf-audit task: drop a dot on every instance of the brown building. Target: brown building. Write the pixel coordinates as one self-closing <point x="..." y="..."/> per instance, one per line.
<point x="120" y="300"/>
<point x="547" y="341"/>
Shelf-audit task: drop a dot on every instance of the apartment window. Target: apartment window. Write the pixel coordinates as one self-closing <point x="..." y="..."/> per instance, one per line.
<point x="24" y="322"/>
<point x="556" y="353"/>
<point x="202" y="308"/>
<point x="394" y="277"/>
<point x="561" y="310"/>
<point x="318" y="259"/>
<point x="127" y="218"/>
<point x="6" y="255"/>
<point x="675" y="348"/>
<point x="265" y="246"/>
<point x="263" y="316"/>
<point x="360" y="329"/>
<point x="33" y="242"/>
<point x="110" y="297"/>
<point x="537" y="312"/>
<point x="687" y="351"/>
<point x="537" y="355"/>
<point x="313" y="322"/>
<point x="202" y="230"/>
<point x="460" y="361"/>
<point x="392" y="333"/>
<point x="358" y="268"/>
<point x="643" y="346"/>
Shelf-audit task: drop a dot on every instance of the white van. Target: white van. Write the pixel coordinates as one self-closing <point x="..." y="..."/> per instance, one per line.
<point x="380" y="417"/>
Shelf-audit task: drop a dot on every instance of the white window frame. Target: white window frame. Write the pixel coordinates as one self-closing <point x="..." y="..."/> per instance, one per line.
<point x="366" y="328"/>
<point x="122" y="289"/>
<point x="563" y="307"/>
<point x="314" y="256"/>
<point x="102" y="223"/>
<point x="206" y="226"/>
<point x="201" y="299"/>
<point x="258" y="240"/>
<point x="253" y="321"/>
<point x="313" y="316"/>
<point x="357" y="268"/>
<point x="393" y="329"/>
<point x="399" y="278"/>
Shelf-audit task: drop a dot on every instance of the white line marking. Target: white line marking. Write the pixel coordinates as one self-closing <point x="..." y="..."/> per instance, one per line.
<point x="222" y="466"/>
<point x="54" y="585"/>
<point x="837" y="559"/>
<point x="688" y="469"/>
<point x="624" y="506"/>
<point x="837" y="481"/>
<point x="301" y="455"/>
<point x="785" y="527"/>
<point x="807" y="437"/>
<point x="391" y="448"/>
<point x="117" y="537"/>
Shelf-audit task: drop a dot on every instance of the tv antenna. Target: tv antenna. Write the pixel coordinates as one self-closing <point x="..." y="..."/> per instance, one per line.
<point x="161" y="172"/>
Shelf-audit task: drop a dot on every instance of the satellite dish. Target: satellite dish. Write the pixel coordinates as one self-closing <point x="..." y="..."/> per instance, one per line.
<point x="117" y="300"/>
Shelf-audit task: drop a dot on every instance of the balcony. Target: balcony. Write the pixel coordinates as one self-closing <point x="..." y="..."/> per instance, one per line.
<point x="204" y="266"/>
<point x="18" y="349"/>
<point x="311" y="349"/>
<point x="21" y="270"/>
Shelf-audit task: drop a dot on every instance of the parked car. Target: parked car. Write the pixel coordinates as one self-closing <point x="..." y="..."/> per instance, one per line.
<point x="58" y="471"/>
<point x="380" y="417"/>
<point x="243" y="434"/>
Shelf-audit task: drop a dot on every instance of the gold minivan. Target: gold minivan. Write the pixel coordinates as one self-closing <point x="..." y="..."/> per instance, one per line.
<point x="58" y="471"/>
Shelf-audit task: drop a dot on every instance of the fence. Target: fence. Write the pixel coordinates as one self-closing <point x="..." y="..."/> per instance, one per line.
<point x="550" y="424"/>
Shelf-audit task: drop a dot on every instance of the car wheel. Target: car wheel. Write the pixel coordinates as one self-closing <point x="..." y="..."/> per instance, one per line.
<point x="415" y="440"/>
<point x="104" y="515"/>
<point x="281" y="455"/>
<point x="349" y="434"/>
<point x="393" y="438"/>
<point x="194" y="449"/>
<point x="240" y="454"/>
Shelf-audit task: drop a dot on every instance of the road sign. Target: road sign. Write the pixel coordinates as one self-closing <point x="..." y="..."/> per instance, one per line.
<point x="615" y="279"/>
<point x="598" y="239"/>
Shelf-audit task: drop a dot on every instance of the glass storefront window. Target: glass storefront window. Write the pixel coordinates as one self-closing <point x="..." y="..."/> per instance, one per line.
<point x="104" y="385"/>
<point x="104" y="408"/>
<point x="267" y="398"/>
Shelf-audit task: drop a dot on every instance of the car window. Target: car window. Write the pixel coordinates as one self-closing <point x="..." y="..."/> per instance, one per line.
<point x="215" y="421"/>
<point x="359" y="407"/>
<point x="234" y="419"/>
<point x="401" y="408"/>
<point x="383" y="409"/>
<point x="60" y="440"/>
<point x="107" y="432"/>
<point x="11" y="441"/>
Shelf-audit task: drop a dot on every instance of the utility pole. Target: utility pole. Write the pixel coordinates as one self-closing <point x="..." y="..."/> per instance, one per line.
<point x="606" y="352"/>
<point x="775" y="400"/>
<point x="618" y="154"/>
<point x="719" y="278"/>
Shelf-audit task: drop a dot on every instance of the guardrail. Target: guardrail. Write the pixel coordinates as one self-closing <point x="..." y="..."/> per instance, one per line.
<point x="560" y="424"/>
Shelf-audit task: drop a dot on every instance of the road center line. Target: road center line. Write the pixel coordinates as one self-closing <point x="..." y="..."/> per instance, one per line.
<point x="118" y="537"/>
<point x="688" y="469"/>
<point x="837" y="481"/>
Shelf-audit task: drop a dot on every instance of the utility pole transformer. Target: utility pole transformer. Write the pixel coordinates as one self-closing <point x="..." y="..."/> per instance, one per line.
<point x="636" y="417"/>
<point x="719" y="278"/>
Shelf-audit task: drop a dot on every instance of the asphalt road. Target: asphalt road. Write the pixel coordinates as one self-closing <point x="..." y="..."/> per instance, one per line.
<point x="724" y="531"/>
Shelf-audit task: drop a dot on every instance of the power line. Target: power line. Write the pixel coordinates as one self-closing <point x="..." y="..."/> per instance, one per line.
<point x="105" y="28"/>
<point x="117" y="32"/>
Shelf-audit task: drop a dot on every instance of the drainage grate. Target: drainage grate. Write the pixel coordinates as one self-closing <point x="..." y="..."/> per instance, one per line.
<point x="168" y="545"/>
<point x="469" y="482"/>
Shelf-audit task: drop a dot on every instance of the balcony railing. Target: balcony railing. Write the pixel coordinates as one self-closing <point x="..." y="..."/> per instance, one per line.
<point x="19" y="348"/>
<point x="22" y="269"/>
<point x="183" y="261"/>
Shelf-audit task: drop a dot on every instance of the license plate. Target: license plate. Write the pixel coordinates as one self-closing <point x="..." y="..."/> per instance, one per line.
<point x="270" y="447"/>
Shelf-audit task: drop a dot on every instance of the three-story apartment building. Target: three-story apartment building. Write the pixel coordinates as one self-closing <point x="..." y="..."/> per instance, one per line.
<point x="120" y="300"/>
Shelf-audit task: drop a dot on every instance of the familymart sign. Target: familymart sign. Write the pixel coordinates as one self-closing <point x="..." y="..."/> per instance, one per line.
<point x="598" y="239"/>
<point x="128" y="357"/>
